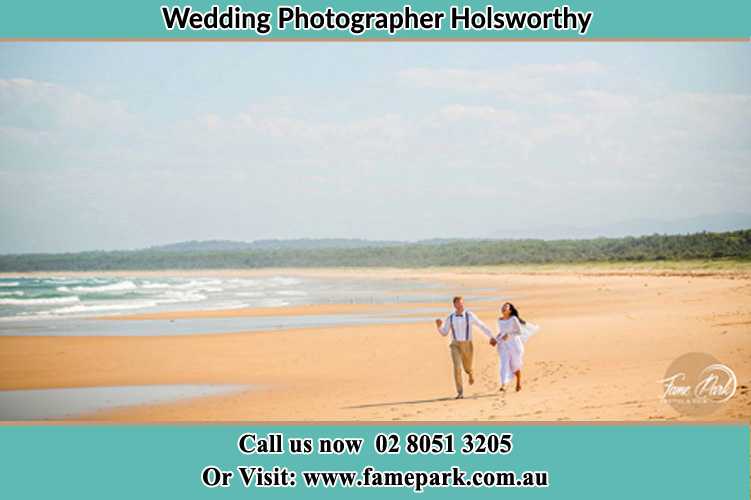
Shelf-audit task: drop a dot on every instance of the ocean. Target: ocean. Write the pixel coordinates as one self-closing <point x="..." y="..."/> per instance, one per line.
<point x="61" y="296"/>
<point x="58" y="297"/>
<point x="65" y="305"/>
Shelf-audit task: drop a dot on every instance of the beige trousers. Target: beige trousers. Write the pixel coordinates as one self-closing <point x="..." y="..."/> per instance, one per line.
<point x="461" y="357"/>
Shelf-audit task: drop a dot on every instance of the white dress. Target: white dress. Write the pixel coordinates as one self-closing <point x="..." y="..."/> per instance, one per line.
<point x="511" y="350"/>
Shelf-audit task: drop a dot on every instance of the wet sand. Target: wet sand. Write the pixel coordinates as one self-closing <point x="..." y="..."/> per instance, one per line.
<point x="607" y="338"/>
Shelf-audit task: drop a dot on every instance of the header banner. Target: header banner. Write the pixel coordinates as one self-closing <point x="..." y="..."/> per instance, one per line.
<point x="384" y="20"/>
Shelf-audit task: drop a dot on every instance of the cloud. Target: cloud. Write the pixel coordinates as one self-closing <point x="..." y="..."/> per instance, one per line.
<point x="481" y="113"/>
<point x="516" y="80"/>
<point x="40" y="104"/>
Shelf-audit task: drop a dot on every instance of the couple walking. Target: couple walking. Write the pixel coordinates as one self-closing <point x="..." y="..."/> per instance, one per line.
<point x="509" y="342"/>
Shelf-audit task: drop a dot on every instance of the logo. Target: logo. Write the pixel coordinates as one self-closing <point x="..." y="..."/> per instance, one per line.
<point x="697" y="384"/>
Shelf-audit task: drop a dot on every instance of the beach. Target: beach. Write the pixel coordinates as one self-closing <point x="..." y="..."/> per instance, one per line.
<point x="608" y="336"/>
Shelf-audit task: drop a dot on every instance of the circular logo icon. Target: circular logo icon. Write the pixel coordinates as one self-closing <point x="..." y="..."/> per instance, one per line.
<point x="697" y="384"/>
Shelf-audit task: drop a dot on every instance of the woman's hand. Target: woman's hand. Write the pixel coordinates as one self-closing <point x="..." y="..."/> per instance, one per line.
<point x="493" y="342"/>
<point x="505" y="337"/>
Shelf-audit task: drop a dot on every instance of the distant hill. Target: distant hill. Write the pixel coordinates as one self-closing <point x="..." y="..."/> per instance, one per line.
<point x="202" y="246"/>
<point x="730" y="221"/>
<point x="361" y="253"/>
<point x="300" y="243"/>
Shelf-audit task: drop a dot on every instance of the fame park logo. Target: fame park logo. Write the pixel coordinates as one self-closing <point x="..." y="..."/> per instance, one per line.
<point x="697" y="384"/>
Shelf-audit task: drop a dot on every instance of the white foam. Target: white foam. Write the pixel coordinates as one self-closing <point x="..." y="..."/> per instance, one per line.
<point x="240" y="282"/>
<point x="176" y="297"/>
<point x="40" y="301"/>
<point x="291" y="293"/>
<point x="151" y="286"/>
<point x="199" y="284"/>
<point x="9" y="283"/>
<point x="272" y="303"/>
<point x="284" y="281"/>
<point x="113" y="287"/>
<point x="102" y="307"/>
<point x="227" y="305"/>
<point x="11" y="294"/>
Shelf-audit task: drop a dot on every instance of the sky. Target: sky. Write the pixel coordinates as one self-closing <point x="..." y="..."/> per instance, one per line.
<point x="128" y="145"/>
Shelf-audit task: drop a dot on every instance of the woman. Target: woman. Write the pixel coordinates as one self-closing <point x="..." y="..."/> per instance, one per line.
<point x="512" y="333"/>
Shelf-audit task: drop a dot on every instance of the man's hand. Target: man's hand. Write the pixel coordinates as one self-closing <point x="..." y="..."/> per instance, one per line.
<point x="439" y="323"/>
<point x="493" y="342"/>
<point x="505" y="337"/>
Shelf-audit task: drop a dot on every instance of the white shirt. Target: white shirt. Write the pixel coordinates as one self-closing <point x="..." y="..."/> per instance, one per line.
<point x="461" y="329"/>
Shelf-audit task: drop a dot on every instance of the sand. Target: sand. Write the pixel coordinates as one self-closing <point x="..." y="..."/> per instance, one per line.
<point x="607" y="338"/>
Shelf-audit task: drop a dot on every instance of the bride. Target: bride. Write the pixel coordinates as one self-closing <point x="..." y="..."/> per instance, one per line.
<point x="513" y="332"/>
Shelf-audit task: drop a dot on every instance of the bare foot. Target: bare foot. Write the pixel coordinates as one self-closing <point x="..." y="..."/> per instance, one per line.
<point x="471" y="379"/>
<point x="518" y="387"/>
<point x="502" y="389"/>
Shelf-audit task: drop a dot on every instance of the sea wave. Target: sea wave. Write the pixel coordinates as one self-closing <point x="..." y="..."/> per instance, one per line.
<point x="223" y="306"/>
<point x="148" y="285"/>
<point x="40" y="301"/>
<point x="284" y="281"/>
<point x="71" y="296"/>
<point x="83" y="308"/>
<point x="242" y="282"/>
<point x="203" y="285"/>
<point x="175" y="297"/>
<point x="272" y="303"/>
<point x="62" y="280"/>
<point x="121" y="286"/>
<point x="291" y="293"/>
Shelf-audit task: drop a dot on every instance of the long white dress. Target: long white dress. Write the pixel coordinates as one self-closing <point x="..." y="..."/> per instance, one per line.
<point x="511" y="350"/>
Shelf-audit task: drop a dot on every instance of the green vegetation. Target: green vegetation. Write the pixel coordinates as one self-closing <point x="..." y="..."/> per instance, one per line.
<point x="735" y="245"/>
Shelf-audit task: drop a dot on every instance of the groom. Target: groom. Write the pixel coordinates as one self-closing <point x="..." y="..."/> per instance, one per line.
<point x="460" y="323"/>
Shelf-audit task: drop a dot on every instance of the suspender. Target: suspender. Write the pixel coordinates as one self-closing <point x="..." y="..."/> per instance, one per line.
<point x="466" y="324"/>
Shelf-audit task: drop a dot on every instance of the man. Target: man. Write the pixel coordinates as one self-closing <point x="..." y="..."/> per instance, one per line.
<point x="460" y="323"/>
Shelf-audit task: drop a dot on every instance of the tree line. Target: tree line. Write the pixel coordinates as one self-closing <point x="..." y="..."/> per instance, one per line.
<point x="705" y="245"/>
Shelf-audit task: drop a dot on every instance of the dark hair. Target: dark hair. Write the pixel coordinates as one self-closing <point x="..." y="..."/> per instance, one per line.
<point x="456" y="299"/>
<point x="514" y="312"/>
